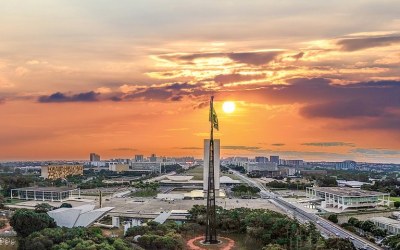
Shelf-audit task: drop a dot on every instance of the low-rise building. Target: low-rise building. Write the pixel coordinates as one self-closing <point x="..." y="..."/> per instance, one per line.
<point x="118" y="167"/>
<point x="44" y="193"/>
<point x="60" y="171"/>
<point x="344" y="197"/>
<point x="392" y="226"/>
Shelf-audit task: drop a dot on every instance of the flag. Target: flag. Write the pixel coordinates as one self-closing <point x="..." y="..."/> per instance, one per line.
<point x="213" y="116"/>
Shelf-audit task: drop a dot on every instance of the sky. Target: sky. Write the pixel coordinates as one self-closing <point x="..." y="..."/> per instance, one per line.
<point x="312" y="80"/>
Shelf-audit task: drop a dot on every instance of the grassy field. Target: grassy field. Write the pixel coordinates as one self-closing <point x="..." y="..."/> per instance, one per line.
<point x="395" y="198"/>
<point x="144" y="193"/>
<point x="232" y="176"/>
<point x="197" y="172"/>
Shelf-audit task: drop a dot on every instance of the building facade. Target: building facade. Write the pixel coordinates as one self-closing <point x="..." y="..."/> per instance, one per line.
<point x="44" y="193"/>
<point x="94" y="157"/>
<point x="392" y="226"/>
<point x="60" y="171"/>
<point x="118" y="167"/>
<point x="347" y="198"/>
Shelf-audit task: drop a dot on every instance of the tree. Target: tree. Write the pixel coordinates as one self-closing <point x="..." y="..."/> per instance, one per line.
<point x="333" y="218"/>
<point x="337" y="243"/>
<point x="396" y="204"/>
<point x="66" y="205"/>
<point x="273" y="247"/>
<point x="43" y="208"/>
<point x="26" y="222"/>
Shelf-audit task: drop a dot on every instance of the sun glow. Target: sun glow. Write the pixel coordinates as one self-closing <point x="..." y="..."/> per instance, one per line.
<point x="228" y="107"/>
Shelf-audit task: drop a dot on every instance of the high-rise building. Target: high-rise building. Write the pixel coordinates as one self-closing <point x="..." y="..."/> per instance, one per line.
<point x="153" y="158"/>
<point x="138" y="158"/>
<point x="216" y="163"/>
<point x="274" y="158"/>
<point x="94" y="157"/>
<point x="261" y="159"/>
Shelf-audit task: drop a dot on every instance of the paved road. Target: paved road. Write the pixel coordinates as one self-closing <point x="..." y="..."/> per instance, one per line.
<point x="327" y="228"/>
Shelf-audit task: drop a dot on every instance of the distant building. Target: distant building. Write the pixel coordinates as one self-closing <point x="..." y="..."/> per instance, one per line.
<point x="44" y="193"/>
<point x="60" y="171"/>
<point x="352" y="184"/>
<point x="153" y="158"/>
<point x="81" y="216"/>
<point x="118" y="167"/>
<point x="154" y="167"/>
<point x="293" y="163"/>
<point x="274" y="158"/>
<point x="392" y="226"/>
<point x="138" y="158"/>
<point x="344" y="198"/>
<point x="346" y="165"/>
<point x="261" y="159"/>
<point x="216" y="163"/>
<point x="94" y="157"/>
<point x="258" y="166"/>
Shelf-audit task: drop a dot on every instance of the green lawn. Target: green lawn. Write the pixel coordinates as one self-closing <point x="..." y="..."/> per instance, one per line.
<point x="197" y="173"/>
<point x="395" y="198"/>
<point x="144" y="193"/>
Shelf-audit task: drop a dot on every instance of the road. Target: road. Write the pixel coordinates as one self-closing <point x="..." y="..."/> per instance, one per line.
<point x="326" y="228"/>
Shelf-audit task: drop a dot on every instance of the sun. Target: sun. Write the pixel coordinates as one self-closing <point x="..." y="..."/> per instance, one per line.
<point x="228" y="107"/>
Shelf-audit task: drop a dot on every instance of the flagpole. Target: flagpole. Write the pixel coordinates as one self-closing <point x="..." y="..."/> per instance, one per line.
<point x="211" y="231"/>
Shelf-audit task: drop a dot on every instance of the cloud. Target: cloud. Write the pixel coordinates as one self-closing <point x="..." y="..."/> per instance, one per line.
<point x="229" y="78"/>
<point x="124" y="149"/>
<point x="329" y="144"/>
<point x="60" y="97"/>
<point x="252" y="57"/>
<point x="249" y="148"/>
<point x="375" y="151"/>
<point x="278" y="144"/>
<point x="375" y="103"/>
<point x="353" y="44"/>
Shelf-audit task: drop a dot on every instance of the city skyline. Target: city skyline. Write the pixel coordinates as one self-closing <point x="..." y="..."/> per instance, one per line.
<point x="135" y="78"/>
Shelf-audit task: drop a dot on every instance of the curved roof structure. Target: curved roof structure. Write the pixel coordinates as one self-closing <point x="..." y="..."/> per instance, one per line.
<point x="81" y="216"/>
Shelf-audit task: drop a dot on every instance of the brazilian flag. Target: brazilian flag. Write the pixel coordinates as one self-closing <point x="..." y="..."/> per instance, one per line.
<point x="213" y="116"/>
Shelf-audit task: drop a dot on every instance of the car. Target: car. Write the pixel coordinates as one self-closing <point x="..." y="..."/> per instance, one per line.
<point x="352" y="238"/>
<point x="337" y="234"/>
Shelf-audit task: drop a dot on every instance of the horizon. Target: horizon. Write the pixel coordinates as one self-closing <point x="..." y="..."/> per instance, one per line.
<point x="119" y="79"/>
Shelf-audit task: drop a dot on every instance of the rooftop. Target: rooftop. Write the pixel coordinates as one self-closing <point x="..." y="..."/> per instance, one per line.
<point x="47" y="189"/>
<point x="387" y="221"/>
<point x="345" y="191"/>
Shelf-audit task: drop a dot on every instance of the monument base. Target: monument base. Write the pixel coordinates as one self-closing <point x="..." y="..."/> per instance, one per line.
<point x="197" y="243"/>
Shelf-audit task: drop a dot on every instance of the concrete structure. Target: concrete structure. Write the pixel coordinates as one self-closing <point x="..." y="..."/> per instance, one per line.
<point x="274" y="158"/>
<point x="139" y="158"/>
<point x="216" y="163"/>
<point x="44" y="193"/>
<point x="261" y="159"/>
<point x="60" y="171"/>
<point x="154" y="167"/>
<point x="261" y="166"/>
<point x="344" y="198"/>
<point x="94" y="157"/>
<point x="392" y="226"/>
<point x="352" y="184"/>
<point x="82" y="216"/>
<point x="118" y="167"/>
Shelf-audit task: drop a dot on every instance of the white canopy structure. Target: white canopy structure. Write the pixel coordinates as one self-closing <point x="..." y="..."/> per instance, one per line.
<point x="81" y="216"/>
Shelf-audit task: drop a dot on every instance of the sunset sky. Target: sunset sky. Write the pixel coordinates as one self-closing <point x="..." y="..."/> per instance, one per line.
<point x="313" y="80"/>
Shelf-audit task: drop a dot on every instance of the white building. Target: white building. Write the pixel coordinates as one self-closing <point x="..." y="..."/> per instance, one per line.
<point x="344" y="197"/>
<point x="81" y="216"/>
<point x="392" y="226"/>
<point x="216" y="163"/>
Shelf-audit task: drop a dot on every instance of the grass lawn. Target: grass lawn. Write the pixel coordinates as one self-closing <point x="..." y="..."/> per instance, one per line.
<point x="395" y="198"/>
<point x="13" y="201"/>
<point x="197" y="173"/>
